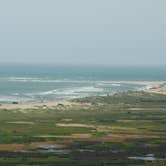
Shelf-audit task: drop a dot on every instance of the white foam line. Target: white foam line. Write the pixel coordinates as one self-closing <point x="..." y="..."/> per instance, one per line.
<point x="68" y="91"/>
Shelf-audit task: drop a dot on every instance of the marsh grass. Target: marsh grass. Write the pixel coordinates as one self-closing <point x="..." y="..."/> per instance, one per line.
<point x="120" y="126"/>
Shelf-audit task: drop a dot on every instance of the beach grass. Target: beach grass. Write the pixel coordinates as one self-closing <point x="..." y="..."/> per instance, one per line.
<point x="106" y="131"/>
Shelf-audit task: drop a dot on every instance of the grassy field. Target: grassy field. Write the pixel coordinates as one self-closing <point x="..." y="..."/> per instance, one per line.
<point x="124" y="129"/>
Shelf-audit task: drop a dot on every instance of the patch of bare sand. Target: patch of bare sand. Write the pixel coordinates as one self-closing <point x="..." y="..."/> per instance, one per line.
<point x="19" y="147"/>
<point x="73" y="136"/>
<point x="109" y="138"/>
<point x="103" y="128"/>
<point x="12" y="147"/>
<point x="126" y="132"/>
<point x="154" y="86"/>
<point x="45" y="144"/>
<point x="74" y="125"/>
<point x="106" y="129"/>
<point x="100" y="128"/>
<point x="161" y="89"/>
<point x="94" y="126"/>
<point x="124" y="137"/>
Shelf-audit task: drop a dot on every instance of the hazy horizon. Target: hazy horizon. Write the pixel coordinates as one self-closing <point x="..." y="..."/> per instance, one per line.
<point x="84" y="65"/>
<point x="94" y="32"/>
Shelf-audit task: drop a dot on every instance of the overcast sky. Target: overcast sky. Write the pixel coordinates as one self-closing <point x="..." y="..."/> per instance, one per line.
<point x="112" y="32"/>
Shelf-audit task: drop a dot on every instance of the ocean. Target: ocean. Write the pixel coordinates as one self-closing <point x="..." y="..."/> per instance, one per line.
<point x="26" y="83"/>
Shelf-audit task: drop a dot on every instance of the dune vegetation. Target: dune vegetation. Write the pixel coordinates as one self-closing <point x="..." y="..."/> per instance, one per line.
<point x="123" y="129"/>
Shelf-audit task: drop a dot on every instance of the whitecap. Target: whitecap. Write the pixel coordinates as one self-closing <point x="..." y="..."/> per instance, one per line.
<point x="68" y="92"/>
<point x="116" y="84"/>
<point x="108" y="84"/>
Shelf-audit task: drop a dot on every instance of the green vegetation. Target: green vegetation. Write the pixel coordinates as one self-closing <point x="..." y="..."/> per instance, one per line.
<point x="106" y="131"/>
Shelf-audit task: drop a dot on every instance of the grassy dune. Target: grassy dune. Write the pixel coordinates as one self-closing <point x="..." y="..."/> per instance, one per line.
<point x="100" y="131"/>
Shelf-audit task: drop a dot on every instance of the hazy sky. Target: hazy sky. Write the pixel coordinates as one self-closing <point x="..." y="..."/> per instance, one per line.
<point x="83" y="31"/>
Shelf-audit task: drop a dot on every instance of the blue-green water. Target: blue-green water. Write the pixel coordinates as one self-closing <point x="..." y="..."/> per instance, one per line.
<point x="32" y="83"/>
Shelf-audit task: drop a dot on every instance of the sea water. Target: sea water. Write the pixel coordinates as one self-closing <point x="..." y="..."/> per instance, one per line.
<point x="46" y="82"/>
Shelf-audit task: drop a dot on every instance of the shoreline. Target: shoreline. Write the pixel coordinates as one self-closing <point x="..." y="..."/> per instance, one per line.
<point x="152" y="87"/>
<point x="37" y="104"/>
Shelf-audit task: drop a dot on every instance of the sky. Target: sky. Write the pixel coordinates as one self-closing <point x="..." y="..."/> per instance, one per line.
<point x="101" y="32"/>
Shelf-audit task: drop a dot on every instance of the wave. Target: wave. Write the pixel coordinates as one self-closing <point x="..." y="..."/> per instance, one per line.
<point x="15" y="94"/>
<point x="8" y="98"/>
<point x="102" y="83"/>
<point x="68" y="91"/>
<point x="116" y="84"/>
<point x="43" y="80"/>
<point x="148" y="87"/>
<point x="60" y="88"/>
<point x="52" y="80"/>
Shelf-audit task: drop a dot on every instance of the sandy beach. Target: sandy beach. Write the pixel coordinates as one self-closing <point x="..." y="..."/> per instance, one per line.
<point x="54" y="103"/>
<point x="152" y="87"/>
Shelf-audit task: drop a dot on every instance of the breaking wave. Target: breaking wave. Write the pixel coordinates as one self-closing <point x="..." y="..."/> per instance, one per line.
<point x="30" y="89"/>
<point x="42" y="80"/>
<point x="68" y="91"/>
